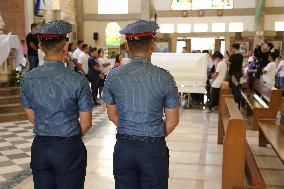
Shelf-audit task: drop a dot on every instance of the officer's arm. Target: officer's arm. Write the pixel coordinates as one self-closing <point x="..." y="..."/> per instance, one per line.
<point x="172" y="119"/>
<point x="31" y="115"/>
<point x="112" y="113"/>
<point x="85" y="122"/>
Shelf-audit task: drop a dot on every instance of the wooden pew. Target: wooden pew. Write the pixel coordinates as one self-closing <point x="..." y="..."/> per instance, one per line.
<point x="225" y="92"/>
<point x="269" y="133"/>
<point x="263" y="101"/>
<point x="237" y="156"/>
<point x="233" y="166"/>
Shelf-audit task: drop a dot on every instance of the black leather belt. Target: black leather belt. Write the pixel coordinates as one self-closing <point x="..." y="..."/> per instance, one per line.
<point x="133" y="138"/>
<point x="76" y="137"/>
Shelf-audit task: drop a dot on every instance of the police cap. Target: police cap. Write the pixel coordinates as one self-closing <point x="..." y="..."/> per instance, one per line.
<point x="140" y="30"/>
<point x="57" y="29"/>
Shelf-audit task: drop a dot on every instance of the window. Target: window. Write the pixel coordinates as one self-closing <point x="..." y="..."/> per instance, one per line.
<point x="201" y="44"/>
<point x="279" y="26"/>
<point x="218" y="27"/>
<point x="183" y="28"/>
<point x="167" y="28"/>
<point x="200" y="27"/>
<point x="112" y="7"/>
<point x="113" y="36"/>
<point x="236" y="27"/>
<point x="201" y="4"/>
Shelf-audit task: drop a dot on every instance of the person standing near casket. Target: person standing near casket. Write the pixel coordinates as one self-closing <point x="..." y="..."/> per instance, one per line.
<point x="136" y="95"/>
<point x="54" y="98"/>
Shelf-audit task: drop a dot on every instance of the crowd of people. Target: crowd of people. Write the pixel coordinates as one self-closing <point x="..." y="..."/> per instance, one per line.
<point x="265" y="63"/>
<point x="82" y="58"/>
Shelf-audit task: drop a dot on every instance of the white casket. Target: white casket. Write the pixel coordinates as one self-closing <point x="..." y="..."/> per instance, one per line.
<point x="188" y="69"/>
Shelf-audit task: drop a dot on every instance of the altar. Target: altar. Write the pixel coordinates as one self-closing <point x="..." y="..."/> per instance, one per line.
<point x="11" y="55"/>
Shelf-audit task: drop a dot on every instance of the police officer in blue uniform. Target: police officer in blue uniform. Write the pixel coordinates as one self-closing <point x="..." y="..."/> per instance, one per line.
<point x="54" y="99"/>
<point x="137" y="94"/>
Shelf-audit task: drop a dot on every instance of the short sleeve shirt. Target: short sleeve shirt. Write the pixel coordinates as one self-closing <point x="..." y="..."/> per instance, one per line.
<point x="221" y="70"/>
<point x="83" y="60"/>
<point x="269" y="76"/>
<point x="101" y="61"/>
<point x="77" y="53"/>
<point x="56" y="95"/>
<point x="236" y="65"/>
<point x="140" y="92"/>
<point x="92" y="74"/>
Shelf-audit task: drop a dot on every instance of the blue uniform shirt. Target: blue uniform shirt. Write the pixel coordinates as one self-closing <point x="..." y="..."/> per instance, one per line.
<point x="140" y="92"/>
<point x="92" y="74"/>
<point x="56" y="95"/>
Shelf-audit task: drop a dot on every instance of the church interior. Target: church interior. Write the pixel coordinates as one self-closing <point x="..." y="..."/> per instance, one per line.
<point x="238" y="142"/>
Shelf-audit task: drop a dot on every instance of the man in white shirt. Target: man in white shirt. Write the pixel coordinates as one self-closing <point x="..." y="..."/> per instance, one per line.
<point x="77" y="53"/>
<point x="83" y="60"/>
<point x="104" y="64"/>
<point x="269" y="72"/>
<point x="218" y="79"/>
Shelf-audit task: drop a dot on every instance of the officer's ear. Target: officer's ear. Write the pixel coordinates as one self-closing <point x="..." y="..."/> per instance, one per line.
<point x="153" y="48"/>
<point x="65" y="48"/>
<point x="127" y="46"/>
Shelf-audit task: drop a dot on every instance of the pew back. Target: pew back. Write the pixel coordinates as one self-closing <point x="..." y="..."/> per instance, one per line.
<point x="233" y="165"/>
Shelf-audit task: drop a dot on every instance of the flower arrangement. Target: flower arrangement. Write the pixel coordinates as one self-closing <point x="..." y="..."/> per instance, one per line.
<point x="16" y="77"/>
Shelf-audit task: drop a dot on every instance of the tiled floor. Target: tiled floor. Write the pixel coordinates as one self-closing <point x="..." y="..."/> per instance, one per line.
<point x="195" y="161"/>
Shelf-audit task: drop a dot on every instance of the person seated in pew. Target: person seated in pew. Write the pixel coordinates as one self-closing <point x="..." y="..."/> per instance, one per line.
<point x="269" y="72"/>
<point x="218" y="78"/>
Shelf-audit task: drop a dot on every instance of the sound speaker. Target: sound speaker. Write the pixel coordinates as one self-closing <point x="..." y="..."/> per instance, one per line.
<point x="96" y="36"/>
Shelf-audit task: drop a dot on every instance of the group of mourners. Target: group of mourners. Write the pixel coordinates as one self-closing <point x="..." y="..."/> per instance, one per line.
<point x="265" y="63"/>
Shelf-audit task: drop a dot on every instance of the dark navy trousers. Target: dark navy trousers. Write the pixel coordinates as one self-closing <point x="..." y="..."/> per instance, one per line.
<point x="140" y="165"/>
<point x="58" y="163"/>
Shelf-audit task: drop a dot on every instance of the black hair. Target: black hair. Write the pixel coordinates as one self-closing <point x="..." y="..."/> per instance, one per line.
<point x="84" y="46"/>
<point x="80" y="41"/>
<point x="270" y="45"/>
<point x="236" y="46"/>
<point x="274" y="53"/>
<point x="205" y="51"/>
<point x="70" y="46"/>
<point x="33" y="25"/>
<point x="141" y="45"/>
<point x="92" y="50"/>
<point x="100" y="51"/>
<point x="53" y="45"/>
<point x="217" y="54"/>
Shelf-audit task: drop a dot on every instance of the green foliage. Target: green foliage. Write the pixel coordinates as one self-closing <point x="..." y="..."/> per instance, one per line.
<point x="16" y="77"/>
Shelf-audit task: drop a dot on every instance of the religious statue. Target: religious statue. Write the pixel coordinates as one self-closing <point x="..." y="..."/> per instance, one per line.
<point x="39" y="8"/>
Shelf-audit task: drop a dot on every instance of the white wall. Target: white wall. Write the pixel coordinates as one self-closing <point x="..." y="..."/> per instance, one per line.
<point x="248" y="21"/>
<point x="270" y="21"/>
<point x="166" y="4"/>
<point x="274" y="3"/>
<point x="91" y="6"/>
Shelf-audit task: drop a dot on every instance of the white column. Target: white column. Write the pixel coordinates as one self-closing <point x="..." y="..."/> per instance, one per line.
<point x="29" y="15"/>
<point x="145" y="9"/>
